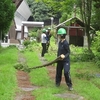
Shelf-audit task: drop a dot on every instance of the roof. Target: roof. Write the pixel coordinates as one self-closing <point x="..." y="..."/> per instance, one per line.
<point x="17" y="2"/>
<point x="64" y="22"/>
<point x="33" y="24"/>
<point x="23" y="12"/>
<point x="78" y="20"/>
<point x="29" y="24"/>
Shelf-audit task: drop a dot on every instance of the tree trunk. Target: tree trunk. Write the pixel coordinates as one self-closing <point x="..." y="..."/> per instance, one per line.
<point x="86" y="9"/>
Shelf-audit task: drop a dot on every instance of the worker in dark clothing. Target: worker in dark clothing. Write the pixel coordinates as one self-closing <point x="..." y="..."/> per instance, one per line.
<point x="64" y="63"/>
<point x="48" y="34"/>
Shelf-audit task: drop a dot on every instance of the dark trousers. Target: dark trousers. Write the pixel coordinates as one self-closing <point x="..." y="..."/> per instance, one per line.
<point x="43" y="49"/>
<point x="66" y="66"/>
<point x="47" y="46"/>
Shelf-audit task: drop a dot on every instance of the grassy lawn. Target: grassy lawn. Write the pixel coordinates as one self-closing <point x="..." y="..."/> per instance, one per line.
<point x="8" y="58"/>
<point x="85" y="82"/>
<point x="83" y="74"/>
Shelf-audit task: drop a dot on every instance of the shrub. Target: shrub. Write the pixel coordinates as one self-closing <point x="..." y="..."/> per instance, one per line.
<point x="96" y="48"/>
<point x="26" y="43"/>
<point x="81" y="54"/>
<point x="96" y="42"/>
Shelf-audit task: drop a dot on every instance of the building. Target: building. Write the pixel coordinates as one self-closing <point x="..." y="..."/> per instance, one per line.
<point x="75" y="31"/>
<point x="20" y="24"/>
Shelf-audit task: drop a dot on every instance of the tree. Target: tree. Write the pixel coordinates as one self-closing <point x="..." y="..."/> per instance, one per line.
<point x="52" y="8"/>
<point x="97" y="3"/>
<point x="7" y="9"/>
<point x="60" y="8"/>
<point x="96" y="15"/>
<point x="86" y="10"/>
<point x="39" y="10"/>
<point x="66" y="9"/>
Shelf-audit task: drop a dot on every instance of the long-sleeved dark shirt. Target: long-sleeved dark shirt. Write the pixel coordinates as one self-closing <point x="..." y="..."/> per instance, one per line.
<point x="63" y="48"/>
<point x="48" y="36"/>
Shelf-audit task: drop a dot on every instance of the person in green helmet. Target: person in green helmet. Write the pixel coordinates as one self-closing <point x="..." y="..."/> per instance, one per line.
<point x="43" y="42"/>
<point x="64" y="62"/>
<point x="48" y="34"/>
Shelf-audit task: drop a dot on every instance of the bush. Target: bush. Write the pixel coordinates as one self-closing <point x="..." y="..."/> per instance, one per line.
<point x="97" y="59"/>
<point x="96" y="48"/>
<point x="81" y="54"/>
<point x="26" y="43"/>
<point x="87" y="56"/>
<point x="96" y="42"/>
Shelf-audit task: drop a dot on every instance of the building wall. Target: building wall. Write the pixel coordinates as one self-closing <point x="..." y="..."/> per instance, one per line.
<point x="22" y="14"/>
<point x="76" y="35"/>
<point x="76" y="32"/>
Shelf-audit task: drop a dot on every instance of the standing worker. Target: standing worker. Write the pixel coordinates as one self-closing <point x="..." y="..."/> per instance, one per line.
<point x="64" y="63"/>
<point x="48" y="39"/>
<point x="43" y="42"/>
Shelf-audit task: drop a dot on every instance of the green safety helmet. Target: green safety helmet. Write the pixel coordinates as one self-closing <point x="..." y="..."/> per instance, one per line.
<point x="61" y="31"/>
<point x="44" y="30"/>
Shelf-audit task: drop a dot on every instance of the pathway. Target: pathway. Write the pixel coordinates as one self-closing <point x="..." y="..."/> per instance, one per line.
<point x="68" y="94"/>
<point x="26" y="87"/>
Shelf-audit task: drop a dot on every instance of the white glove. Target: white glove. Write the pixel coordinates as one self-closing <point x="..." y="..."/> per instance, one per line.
<point x="62" y="56"/>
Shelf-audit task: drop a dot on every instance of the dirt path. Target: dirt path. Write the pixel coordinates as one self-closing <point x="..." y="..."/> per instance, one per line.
<point x="23" y="79"/>
<point x="67" y="94"/>
<point x="26" y="87"/>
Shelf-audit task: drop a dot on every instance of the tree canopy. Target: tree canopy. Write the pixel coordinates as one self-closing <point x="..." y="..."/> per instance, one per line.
<point x="87" y="10"/>
<point x="7" y="9"/>
<point x="64" y="9"/>
<point x="40" y="10"/>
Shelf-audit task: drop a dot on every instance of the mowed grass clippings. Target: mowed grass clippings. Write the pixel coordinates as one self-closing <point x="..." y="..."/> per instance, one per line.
<point x="8" y="57"/>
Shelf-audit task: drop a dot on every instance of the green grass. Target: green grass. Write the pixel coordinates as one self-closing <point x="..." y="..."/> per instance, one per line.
<point x="84" y="83"/>
<point x="8" y="84"/>
<point x="39" y="74"/>
<point x="44" y="93"/>
<point x="83" y="74"/>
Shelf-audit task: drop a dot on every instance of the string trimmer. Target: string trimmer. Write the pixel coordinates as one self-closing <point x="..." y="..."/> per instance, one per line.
<point x="27" y="69"/>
